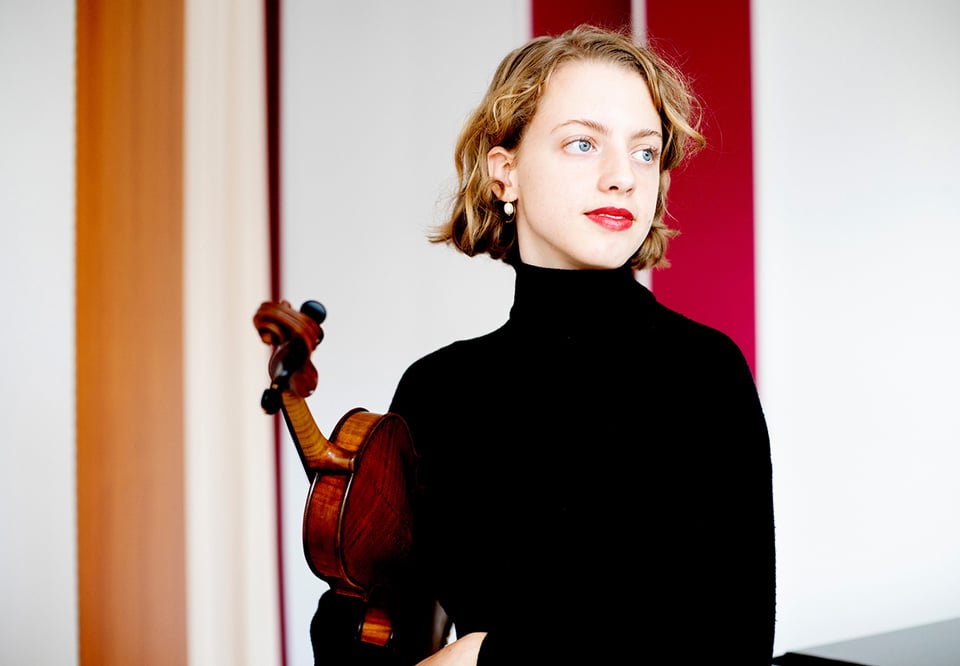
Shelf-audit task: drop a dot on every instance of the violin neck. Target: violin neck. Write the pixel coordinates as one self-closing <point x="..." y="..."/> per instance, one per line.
<point x="316" y="451"/>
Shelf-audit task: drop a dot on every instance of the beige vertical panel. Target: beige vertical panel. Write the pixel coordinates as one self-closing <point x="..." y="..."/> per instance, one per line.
<point x="232" y="568"/>
<point x="132" y="568"/>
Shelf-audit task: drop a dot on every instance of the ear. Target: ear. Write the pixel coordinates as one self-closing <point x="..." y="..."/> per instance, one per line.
<point x="500" y="163"/>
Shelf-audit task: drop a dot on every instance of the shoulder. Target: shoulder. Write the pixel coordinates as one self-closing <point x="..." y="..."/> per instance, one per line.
<point x="702" y="370"/>
<point x="693" y="339"/>
<point x="444" y="370"/>
<point x="699" y="364"/>
<point x="457" y="356"/>
<point x="440" y="391"/>
<point x="675" y="334"/>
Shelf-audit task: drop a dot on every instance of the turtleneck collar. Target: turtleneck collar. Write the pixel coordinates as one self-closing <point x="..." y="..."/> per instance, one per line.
<point x="577" y="302"/>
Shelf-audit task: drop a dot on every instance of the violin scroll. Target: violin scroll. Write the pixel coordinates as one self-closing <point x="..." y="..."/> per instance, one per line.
<point x="294" y="335"/>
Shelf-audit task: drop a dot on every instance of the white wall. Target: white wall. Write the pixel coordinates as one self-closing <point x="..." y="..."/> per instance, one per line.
<point x="38" y="581"/>
<point x="857" y="142"/>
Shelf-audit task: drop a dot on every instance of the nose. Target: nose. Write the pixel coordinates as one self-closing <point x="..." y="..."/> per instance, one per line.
<point x="617" y="172"/>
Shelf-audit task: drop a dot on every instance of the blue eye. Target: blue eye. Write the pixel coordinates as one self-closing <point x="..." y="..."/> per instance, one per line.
<point x="579" y="146"/>
<point x="645" y="155"/>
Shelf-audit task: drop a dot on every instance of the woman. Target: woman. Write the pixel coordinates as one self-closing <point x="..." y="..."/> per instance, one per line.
<point x="596" y="472"/>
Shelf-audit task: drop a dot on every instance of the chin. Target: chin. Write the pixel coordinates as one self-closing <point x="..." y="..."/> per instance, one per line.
<point x="606" y="262"/>
<point x="600" y="266"/>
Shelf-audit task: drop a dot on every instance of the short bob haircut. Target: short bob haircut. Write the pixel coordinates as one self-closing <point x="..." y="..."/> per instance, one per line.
<point x="477" y="224"/>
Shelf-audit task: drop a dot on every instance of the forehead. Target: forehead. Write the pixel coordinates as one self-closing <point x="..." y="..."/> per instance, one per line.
<point x="597" y="87"/>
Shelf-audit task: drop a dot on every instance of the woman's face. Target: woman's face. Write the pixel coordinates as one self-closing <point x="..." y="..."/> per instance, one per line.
<point x="586" y="173"/>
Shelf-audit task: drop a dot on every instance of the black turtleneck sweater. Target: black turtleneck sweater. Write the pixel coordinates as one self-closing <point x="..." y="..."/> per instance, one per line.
<point x="597" y="480"/>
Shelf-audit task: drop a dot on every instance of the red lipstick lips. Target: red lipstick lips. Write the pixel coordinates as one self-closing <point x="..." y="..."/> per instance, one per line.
<point x="615" y="219"/>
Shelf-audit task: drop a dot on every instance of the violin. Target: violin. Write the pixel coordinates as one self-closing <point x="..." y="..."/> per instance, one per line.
<point x="358" y="519"/>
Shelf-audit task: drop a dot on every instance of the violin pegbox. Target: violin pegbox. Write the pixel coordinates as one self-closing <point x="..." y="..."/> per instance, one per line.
<point x="293" y="335"/>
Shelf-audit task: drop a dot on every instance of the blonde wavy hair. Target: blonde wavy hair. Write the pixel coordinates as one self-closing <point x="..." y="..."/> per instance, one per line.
<point x="476" y="224"/>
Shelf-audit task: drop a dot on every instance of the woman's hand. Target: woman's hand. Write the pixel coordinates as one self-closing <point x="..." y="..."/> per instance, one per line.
<point x="461" y="652"/>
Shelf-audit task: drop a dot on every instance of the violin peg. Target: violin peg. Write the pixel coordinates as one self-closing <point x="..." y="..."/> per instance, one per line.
<point x="271" y="401"/>
<point x="314" y="310"/>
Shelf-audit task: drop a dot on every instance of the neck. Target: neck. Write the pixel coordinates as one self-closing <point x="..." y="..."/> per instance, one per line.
<point x="575" y="299"/>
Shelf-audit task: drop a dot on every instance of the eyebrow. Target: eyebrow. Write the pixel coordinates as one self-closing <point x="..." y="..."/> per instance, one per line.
<point x="603" y="129"/>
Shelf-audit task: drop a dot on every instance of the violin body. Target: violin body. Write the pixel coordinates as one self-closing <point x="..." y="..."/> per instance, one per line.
<point x="358" y="521"/>
<point x="370" y="506"/>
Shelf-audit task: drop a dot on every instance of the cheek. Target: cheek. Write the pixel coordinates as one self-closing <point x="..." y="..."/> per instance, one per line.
<point x="534" y="191"/>
<point x="650" y="193"/>
<point x="646" y="229"/>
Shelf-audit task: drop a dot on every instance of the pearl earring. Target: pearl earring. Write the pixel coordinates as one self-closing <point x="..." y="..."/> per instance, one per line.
<point x="508" y="208"/>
